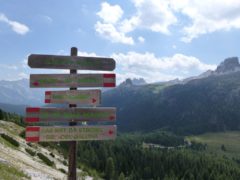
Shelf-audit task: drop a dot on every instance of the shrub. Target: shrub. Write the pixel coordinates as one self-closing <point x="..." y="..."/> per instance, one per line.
<point x="51" y="154"/>
<point x="29" y="151"/>
<point x="10" y="140"/>
<point x="45" y="159"/>
<point x="62" y="170"/>
<point x="22" y="134"/>
<point x="30" y="144"/>
<point x="65" y="163"/>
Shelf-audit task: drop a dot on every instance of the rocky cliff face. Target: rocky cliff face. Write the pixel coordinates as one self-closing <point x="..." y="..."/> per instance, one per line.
<point x="228" y="65"/>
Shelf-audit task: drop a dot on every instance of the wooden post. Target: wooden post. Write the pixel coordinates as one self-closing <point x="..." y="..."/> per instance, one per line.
<point x="72" y="157"/>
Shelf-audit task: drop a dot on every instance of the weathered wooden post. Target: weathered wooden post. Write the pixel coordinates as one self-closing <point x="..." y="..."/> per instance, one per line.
<point x="72" y="162"/>
<point x="73" y="114"/>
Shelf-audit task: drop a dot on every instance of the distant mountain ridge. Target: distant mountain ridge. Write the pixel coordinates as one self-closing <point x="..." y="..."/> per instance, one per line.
<point x="210" y="102"/>
<point x="18" y="92"/>
<point x="206" y="104"/>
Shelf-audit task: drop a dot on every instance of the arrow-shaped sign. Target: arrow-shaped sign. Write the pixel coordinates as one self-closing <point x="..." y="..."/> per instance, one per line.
<point x="72" y="80"/>
<point x="70" y="133"/>
<point x="86" y="97"/>
<point x="94" y="100"/>
<point x="34" y="115"/>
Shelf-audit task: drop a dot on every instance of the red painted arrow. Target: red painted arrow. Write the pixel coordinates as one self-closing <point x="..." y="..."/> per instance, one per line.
<point x="93" y="100"/>
<point x="110" y="132"/>
<point x="35" y="83"/>
<point x="112" y="117"/>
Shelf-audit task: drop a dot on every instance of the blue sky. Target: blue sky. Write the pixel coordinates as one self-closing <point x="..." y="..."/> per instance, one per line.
<point x="157" y="40"/>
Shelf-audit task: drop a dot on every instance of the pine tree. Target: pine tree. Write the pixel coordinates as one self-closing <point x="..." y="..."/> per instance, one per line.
<point x="109" y="171"/>
<point x="121" y="176"/>
<point x="1" y="115"/>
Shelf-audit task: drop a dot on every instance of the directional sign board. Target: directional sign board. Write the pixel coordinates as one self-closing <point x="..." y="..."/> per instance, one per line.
<point x="71" y="62"/>
<point x="72" y="80"/>
<point x="86" y="97"/>
<point x="70" y="133"/>
<point x="34" y="115"/>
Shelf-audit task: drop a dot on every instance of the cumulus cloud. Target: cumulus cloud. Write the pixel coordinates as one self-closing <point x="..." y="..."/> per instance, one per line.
<point x="110" y="32"/>
<point x="17" y="27"/>
<point x="207" y="16"/>
<point x="155" y="15"/>
<point x="150" y="14"/>
<point x="203" y="17"/>
<point x="110" y="14"/>
<point x="153" y="68"/>
<point x="108" y="27"/>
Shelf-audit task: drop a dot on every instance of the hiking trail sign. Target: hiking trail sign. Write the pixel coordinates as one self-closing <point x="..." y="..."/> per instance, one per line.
<point x="70" y="133"/>
<point x="87" y="97"/>
<point x="72" y="80"/>
<point x="71" y="62"/>
<point x="34" y="114"/>
<point x="73" y="114"/>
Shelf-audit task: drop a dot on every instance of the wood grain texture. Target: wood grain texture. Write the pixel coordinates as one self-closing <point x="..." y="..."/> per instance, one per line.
<point x="71" y="62"/>
<point x="72" y="80"/>
<point x="35" y="115"/>
<point x="86" y="97"/>
<point x="70" y="133"/>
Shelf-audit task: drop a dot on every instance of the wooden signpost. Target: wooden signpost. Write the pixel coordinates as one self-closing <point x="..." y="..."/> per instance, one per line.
<point x="71" y="133"/>
<point x="71" y="62"/>
<point x="34" y="115"/>
<point x="72" y="80"/>
<point x="87" y="97"/>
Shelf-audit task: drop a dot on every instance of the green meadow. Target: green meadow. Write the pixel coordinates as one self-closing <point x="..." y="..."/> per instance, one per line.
<point x="223" y="143"/>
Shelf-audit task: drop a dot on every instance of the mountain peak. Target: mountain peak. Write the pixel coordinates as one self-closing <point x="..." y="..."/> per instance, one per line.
<point x="228" y="65"/>
<point x="139" y="81"/>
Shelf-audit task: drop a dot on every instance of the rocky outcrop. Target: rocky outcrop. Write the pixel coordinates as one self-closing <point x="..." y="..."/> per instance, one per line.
<point x="228" y="65"/>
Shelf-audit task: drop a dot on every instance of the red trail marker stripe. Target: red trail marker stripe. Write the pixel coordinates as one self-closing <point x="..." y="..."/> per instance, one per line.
<point x="33" y="128"/>
<point x="47" y="100"/>
<point x="32" y="139"/>
<point x="109" y="84"/>
<point x="109" y="75"/>
<point x="32" y="119"/>
<point x="48" y="93"/>
<point x="32" y="110"/>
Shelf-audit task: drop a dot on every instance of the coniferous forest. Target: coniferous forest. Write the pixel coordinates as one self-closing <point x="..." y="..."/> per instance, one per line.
<point x="127" y="158"/>
<point x="155" y="155"/>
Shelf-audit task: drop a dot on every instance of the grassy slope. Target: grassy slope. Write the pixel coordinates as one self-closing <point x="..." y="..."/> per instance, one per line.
<point x="8" y="172"/>
<point x="214" y="141"/>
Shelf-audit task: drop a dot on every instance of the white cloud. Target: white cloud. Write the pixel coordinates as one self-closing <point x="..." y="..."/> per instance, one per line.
<point x="204" y="17"/>
<point x="107" y="28"/>
<point x="24" y="63"/>
<point x="208" y="16"/>
<point x="8" y="66"/>
<point x="128" y="25"/>
<point x="23" y="75"/>
<point x="153" y="68"/>
<point x="110" y="32"/>
<point x="81" y="53"/>
<point x="153" y="15"/>
<point x="141" y="39"/>
<point x="110" y="14"/>
<point x="16" y="26"/>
